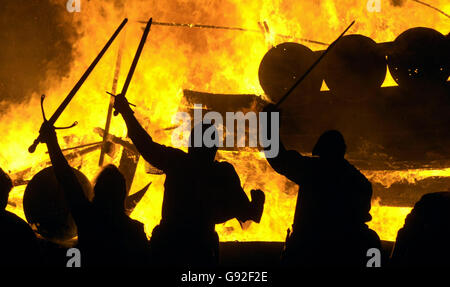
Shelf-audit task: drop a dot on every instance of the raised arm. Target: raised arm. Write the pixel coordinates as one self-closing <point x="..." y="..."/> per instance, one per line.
<point x="289" y="163"/>
<point x="156" y="154"/>
<point x="78" y="203"/>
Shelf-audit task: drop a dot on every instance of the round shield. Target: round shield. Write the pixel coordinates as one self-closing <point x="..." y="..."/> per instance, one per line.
<point x="282" y="66"/>
<point x="354" y="66"/>
<point x="419" y="58"/>
<point x="45" y="206"/>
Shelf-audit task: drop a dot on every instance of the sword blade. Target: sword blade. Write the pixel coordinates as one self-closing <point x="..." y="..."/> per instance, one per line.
<point x="77" y="86"/>
<point x="136" y="57"/>
<point x="312" y="67"/>
<point x="83" y="78"/>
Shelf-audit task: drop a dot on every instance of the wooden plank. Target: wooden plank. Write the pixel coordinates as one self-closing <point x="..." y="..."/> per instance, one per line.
<point x="389" y="129"/>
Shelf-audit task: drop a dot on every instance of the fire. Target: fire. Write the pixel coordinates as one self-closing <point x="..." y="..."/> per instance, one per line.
<point x="387" y="178"/>
<point x="387" y="220"/>
<point x="217" y="61"/>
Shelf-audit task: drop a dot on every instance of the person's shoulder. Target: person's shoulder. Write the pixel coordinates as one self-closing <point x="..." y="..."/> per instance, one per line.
<point x="350" y="166"/>
<point x="291" y="153"/>
<point x="135" y="224"/>
<point x="19" y="224"/>
<point x="355" y="171"/>
<point x="136" y="230"/>
<point x="309" y="160"/>
<point x="11" y="217"/>
<point x="224" y="166"/>
<point x="225" y="169"/>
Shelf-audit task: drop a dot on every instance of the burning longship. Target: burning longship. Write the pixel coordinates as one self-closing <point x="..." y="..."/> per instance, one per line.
<point x="392" y="109"/>
<point x="391" y="128"/>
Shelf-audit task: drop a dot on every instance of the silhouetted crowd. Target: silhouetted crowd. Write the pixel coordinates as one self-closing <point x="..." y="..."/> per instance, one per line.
<point x="329" y="226"/>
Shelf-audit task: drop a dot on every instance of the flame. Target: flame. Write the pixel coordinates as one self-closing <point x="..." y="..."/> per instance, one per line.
<point x="387" y="220"/>
<point x="217" y="61"/>
<point x="387" y="178"/>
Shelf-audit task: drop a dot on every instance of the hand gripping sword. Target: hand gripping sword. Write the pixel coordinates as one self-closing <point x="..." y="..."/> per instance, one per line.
<point x="135" y="61"/>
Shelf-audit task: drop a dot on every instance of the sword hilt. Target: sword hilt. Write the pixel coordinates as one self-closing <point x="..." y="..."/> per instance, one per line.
<point x="36" y="142"/>
<point x="32" y="147"/>
<point x="135" y="61"/>
<point x="114" y="96"/>
<point x="68" y="127"/>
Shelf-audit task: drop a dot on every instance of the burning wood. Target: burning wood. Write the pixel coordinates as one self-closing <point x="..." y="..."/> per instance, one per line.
<point x="398" y="138"/>
<point x="77" y="86"/>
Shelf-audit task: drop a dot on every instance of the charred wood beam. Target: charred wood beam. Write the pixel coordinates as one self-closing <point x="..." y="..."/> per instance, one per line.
<point x="127" y="166"/>
<point x="117" y="140"/>
<point x="20" y="177"/>
<point x="406" y="194"/>
<point x="389" y="128"/>
<point x="131" y="149"/>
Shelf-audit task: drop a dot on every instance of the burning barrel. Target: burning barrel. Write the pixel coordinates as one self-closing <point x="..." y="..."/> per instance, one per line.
<point x="45" y="206"/>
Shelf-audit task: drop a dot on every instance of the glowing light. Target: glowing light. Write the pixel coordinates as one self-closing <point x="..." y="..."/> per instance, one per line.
<point x="205" y="60"/>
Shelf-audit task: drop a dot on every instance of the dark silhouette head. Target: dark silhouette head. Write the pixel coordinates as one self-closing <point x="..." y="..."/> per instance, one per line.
<point x="110" y="191"/>
<point x="330" y="145"/>
<point x="5" y="187"/>
<point x="202" y="152"/>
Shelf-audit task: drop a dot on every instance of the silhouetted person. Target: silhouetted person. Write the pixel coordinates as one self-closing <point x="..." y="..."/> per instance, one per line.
<point x="18" y="243"/>
<point x="333" y="205"/>
<point x="424" y="240"/>
<point x="198" y="193"/>
<point x="106" y="235"/>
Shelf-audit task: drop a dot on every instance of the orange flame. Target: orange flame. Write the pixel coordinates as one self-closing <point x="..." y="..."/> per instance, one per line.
<point x="216" y="61"/>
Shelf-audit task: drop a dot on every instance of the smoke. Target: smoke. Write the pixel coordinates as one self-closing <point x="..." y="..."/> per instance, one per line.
<point x="36" y="39"/>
